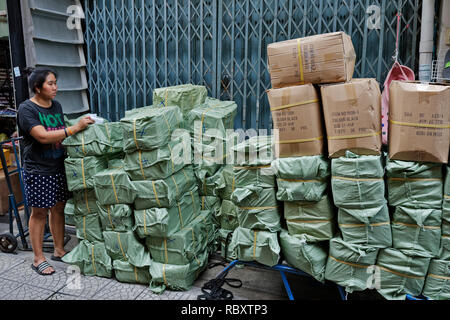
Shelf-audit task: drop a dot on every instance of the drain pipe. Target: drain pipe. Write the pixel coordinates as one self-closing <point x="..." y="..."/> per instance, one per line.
<point x="426" y="40"/>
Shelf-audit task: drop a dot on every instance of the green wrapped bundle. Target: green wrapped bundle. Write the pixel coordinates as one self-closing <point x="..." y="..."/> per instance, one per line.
<point x="126" y="246"/>
<point x="257" y="208"/>
<point x="225" y="237"/>
<point x="417" y="232"/>
<point x="358" y="181"/>
<point x="80" y="172"/>
<point x="228" y="215"/>
<point x="349" y="265"/>
<point x="113" y="186"/>
<point x="371" y="227"/>
<point x="437" y="284"/>
<point x="400" y="274"/>
<point x="126" y="272"/>
<point x="211" y="203"/>
<point x="116" y="163"/>
<point x="226" y="183"/>
<point x="85" y="202"/>
<point x="163" y="193"/>
<point x="211" y="119"/>
<point x="308" y="257"/>
<point x="117" y="217"/>
<point x="185" y="96"/>
<point x="444" y="252"/>
<point x="314" y="220"/>
<point x="182" y="247"/>
<point x="302" y="178"/>
<point x="91" y="258"/>
<point x="258" y="176"/>
<point x="446" y="203"/>
<point x="255" y="245"/>
<point x="164" y="222"/>
<point x="89" y="227"/>
<point x="149" y="128"/>
<point x="417" y="184"/>
<point x="207" y="184"/>
<point x="96" y="140"/>
<point x="255" y="151"/>
<point x="69" y="212"/>
<point x="158" y="164"/>
<point x="176" y="277"/>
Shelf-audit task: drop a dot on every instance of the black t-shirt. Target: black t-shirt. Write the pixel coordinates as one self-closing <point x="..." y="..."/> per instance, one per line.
<point x="41" y="158"/>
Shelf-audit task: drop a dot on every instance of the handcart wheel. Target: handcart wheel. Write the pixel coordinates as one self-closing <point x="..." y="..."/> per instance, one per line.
<point x="8" y="243"/>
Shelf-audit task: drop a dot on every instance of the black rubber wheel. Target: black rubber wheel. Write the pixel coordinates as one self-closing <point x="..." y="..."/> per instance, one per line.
<point x="8" y="243"/>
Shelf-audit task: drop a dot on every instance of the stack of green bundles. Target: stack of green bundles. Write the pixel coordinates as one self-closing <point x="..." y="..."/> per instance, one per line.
<point x="308" y="211"/>
<point x="363" y="218"/>
<point x="437" y="284"/>
<point x="89" y="152"/>
<point x="254" y="195"/>
<point x="415" y="193"/>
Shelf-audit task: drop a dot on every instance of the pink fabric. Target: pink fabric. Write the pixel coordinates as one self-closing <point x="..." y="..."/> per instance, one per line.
<point x="398" y="72"/>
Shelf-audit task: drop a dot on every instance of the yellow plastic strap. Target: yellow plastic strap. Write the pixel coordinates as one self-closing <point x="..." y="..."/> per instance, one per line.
<point x="415" y="225"/>
<point x="254" y="245"/>
<point x="446" y="196"/>
<point x="252" y="168"/>
<point x="84" y="227"/>
<point x="120" y="245"/>
<point x="167" y="95"/>
<point x="181" y="218"/>
<point x="300" y="62"/>
<point x="299" y="180"/>
<point x="297" y="104"/>
<point x="87" y="202"/>
<point x="308" y="221"/>
<point x="145" y="224"/>
<point x="82" y="143"/>
<point x="82" y="173"/>
<point x="167" y="122"/>
<point x="109" y="216"/>
<point x="356" y="179"/>
<point x="184" y="172"/>
<point x="134" y="133"/>
<point x="173" y="167"/>
<point x="420" y="125"/>
<point x="399" y="274"/>
<point x="232" y="185"/>
<point x="258" y="208"/>
<point x="349" y="263"/>
<point x="193" y="201"/>
<point x="438" y="277"/>
<point x="415" y="179"/>
<point x="350" y="225"/>
<point x="165" y="251"/>
<point x="135" y="274"/>
<point x="203" y="202"/>
<point x="156" y="195"/>
<point x="114" y="188"/>
<point x="176" y="185"/>
<point x="355" y="136"/>
<point x="164" y="274"/>
<point x="93" y="260"/>
<point x="299" y="140"/>
<point x="140" y="163"/>
<point x="203" y="116"/>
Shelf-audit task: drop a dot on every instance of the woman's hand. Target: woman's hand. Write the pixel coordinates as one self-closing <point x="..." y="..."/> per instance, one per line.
<point x="83" y="123"/>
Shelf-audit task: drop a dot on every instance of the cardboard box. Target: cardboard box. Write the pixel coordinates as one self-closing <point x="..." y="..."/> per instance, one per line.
<point x="324" y="58"/>
<point x="419" y="122"/>
<point x="297" y="115"/>
<point x="352" y="113"/>
<point x="4" y="192"/>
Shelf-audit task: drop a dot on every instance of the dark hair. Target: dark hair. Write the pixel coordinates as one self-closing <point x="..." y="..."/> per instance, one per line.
<point x="37" y="77"/>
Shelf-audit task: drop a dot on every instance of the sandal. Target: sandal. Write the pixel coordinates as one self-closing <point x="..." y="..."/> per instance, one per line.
<point x="41" y="267"/>
<point x="55" y="258"/>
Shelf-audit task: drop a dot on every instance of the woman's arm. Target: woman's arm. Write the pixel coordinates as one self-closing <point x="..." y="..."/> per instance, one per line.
<point x="48" y="137"/>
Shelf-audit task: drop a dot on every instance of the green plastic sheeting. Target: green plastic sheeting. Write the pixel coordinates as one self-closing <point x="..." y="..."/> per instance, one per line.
<point x="417" y="232"/>
<point x="182" y="247"/>
<point x="126" y="272"/>
<point x="308" y="257"/>
<point x="85" y="202"/>
<point x="258" y="176"/>
<point x="164" y="222"/>
<point x="89" y="227"/>
<point x="371" y="226"/>
<point x="211" y="203"/>
<point x="113" y="186"/>
<point x="226" y="183"/>
<point x="400" y="274"/>
<point x="444" y="252"/>
<point x="176" y="277"/>
<point x="351" y="265"/>
<point x="154" y="165"/>
<point x="414" y="184"/>
<point x="185" y="96"/>
<point x="255" y="151"/>
<point x="80" y="172"/>
<point x="224" y="237"/>
<point x="255" y="245"/>
<point x="207" y="184"/>
<point x="211" y="119"/>
<point x="228" y="215"/>
<point x="165" y="192"/>
<point x="69" y="212"/>
<point x="358" y="181"/>
<point x="302" y="178"/>
<point x="91" y="258"/>
<point x="257" y="208"/>
<point x="117" y="217"/>
<point x="149" y="128"/>
<point x="96" y="140"/>
<point x="127" y="247"/>
<point x="446" y="203"/>
<point x="437" y="284"/>
<point x="314" y="220"/>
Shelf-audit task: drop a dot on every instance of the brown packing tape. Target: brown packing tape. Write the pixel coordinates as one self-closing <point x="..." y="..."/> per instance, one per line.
<point x="120" y="245"/>
<point x="438" y="277"/>
<point x="415" y="225"/>
<point x="308" y="221"/>
<point x="350" y="225"/>
<point x="349" y="263"/>
<point x="399" y="274"/>
<point x="109" y="217"/>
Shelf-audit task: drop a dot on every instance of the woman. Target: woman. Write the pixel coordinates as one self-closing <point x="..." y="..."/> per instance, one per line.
<point x="41" y="123"/>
